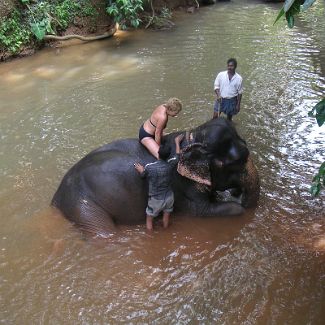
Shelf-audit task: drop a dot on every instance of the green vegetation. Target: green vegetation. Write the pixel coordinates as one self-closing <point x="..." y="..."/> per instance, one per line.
<point x="33" y="19"/>
<point x="125" y="12"/>
<point x="36" y="18"/>
<point x="130" y="13"/>
<point x="13" y="34"/>
<point x="49" y="17"/>
<point x="159" y="21"/>
<point x="318" y="112"/>
<point x="290" y="9"/>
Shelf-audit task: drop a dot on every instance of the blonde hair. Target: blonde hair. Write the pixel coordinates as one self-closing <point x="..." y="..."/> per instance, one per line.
<point x="174" y="105"/>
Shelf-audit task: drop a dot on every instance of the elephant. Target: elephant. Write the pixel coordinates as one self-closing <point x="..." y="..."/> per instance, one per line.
<point x="103" y="189"/>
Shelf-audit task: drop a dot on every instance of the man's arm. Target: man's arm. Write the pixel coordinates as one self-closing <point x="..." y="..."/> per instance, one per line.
<point x="239" y="96"/>
<point x="217" y="87"/>
<point x="217" y="91"/>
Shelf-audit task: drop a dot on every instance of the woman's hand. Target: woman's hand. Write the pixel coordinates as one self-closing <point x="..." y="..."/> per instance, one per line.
<point x="179" y="138"/>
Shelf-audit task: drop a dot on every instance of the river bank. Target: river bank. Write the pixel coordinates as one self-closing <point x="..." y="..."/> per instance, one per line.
<point x="22" y="22"/>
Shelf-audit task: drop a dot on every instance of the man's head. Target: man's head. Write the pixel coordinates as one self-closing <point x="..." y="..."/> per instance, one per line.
<point x="231" y="65"/>
<point x="174" y="106"/>
<point x="164" y="151"/>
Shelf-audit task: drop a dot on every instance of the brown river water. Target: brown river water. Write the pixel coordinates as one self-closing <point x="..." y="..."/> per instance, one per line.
<point x="265" y="267"/>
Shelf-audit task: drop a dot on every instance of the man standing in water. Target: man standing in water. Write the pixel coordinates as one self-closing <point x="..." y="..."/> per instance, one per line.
<point x="228" y="88"/>
<point x="159" y="174"/>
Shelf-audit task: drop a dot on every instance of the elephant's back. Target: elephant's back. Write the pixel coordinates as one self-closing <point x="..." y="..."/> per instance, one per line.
<point x="110" y="179"/>
<point x="107" y="177"/>
<point x="130" y="146"/>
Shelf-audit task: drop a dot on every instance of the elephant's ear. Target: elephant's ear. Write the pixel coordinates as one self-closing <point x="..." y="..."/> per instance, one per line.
<point x="194" y="165"/>
<point x="250" y="185"/>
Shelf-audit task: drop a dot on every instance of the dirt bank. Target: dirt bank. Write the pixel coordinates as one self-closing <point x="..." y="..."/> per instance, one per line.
<point x="98" y="24"/>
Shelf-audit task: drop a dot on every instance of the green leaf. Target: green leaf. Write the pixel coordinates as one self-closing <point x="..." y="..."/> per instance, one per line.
<point x="321" y="171"/>
<point x="318" y="180"/>
<point x="318" y="112"/>
<point x="49" y="28"/>
<point x="281" y="13"/>
<point x="38" y="30"/>
<point x="290" y="19"/>
<point x="295" y="8"/>
<point x="315" y="189"/>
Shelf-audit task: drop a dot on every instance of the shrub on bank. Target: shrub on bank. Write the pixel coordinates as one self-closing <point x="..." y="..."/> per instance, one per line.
<point x="13" y="33"/>
<point x="26" y="22"/>
<point x="31" y="20"/>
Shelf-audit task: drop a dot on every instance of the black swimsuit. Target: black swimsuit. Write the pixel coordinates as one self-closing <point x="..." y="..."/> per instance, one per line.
<point x="152" y="123"/>
<point x="144" y="134"/>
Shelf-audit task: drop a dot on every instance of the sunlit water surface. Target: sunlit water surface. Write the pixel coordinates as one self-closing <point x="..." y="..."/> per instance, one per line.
<point x="266" y="267"/>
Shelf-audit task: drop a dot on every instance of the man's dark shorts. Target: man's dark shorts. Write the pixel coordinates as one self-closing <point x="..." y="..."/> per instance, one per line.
<point x="156" y="206"/>
<point x="228" y="106"/>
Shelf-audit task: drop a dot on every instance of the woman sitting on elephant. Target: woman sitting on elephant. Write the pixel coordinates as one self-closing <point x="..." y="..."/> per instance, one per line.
<point x="151" y="131"/>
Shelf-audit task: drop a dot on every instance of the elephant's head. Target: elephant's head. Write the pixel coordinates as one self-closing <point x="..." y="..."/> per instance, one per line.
<point x="215" y="155"/>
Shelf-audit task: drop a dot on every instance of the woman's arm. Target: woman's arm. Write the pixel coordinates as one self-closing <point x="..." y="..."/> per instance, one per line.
<point x="161" y="124"/>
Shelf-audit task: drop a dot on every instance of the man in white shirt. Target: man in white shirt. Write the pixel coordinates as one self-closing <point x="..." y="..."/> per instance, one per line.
<point x="228" y="88"/>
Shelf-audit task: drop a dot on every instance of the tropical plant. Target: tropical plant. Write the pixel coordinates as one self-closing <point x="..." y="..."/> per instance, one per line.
<point x="125" y="12"/>
<point x="318" y="112"/>
<point x="160" y="19"/>
<point x="290" y="9"/>
<point x="13" y="35"/>
<point x="47" y="17"/>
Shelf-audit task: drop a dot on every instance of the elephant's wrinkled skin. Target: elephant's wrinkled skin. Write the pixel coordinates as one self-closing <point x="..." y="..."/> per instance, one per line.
<point x="104" y="189"/>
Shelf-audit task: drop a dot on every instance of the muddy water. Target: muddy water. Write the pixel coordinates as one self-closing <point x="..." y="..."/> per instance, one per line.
<point x="266" y="267"/>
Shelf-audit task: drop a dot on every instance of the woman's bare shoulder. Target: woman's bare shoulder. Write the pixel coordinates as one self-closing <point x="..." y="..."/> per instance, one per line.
<point x="159" y="112"/>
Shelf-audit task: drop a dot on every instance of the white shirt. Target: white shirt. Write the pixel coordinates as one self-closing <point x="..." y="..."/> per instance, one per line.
<point x="228" y="88"/>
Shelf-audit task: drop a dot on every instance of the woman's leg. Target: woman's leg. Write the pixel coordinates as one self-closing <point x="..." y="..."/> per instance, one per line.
<point x="151" y="145"/>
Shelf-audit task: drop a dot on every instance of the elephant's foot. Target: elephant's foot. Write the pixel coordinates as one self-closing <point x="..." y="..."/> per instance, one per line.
<point x="94" y="220"/>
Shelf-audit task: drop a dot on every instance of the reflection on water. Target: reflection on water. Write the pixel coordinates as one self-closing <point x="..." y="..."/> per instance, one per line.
<point x="264" y="267"/>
